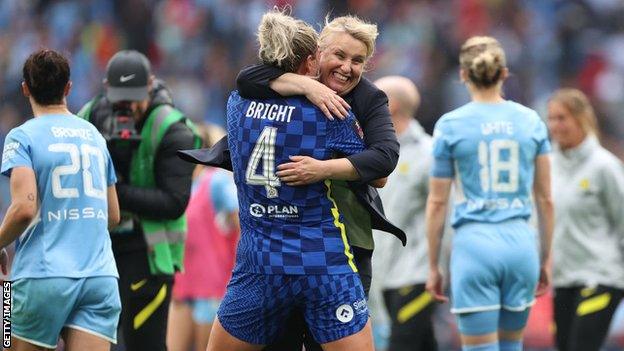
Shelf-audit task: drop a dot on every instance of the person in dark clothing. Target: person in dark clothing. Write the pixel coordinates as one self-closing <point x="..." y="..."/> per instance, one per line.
<point x="144" y="131"/>
<point x="345" y="46"/>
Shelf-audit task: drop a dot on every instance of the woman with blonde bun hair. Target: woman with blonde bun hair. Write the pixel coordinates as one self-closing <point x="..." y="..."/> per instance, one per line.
<point x="588" y="259"/>
<point x="286" y="42"/>
<point x="496" y="152"/>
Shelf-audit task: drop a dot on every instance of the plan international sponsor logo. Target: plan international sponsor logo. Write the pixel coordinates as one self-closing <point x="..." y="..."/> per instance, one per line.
<point x="273" y="211"/>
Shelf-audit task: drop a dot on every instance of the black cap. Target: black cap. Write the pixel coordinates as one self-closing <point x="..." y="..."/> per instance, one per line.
<point x="127" y="74"/>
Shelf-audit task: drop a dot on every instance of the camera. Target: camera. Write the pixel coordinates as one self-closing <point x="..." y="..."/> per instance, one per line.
<point x="121" y="125"/>
<point x="122" y="138"/>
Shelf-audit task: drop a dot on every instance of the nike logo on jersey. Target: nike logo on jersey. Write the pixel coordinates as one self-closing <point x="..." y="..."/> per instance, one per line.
<point x="124" y="79"/>
<point x="136" y="286"/>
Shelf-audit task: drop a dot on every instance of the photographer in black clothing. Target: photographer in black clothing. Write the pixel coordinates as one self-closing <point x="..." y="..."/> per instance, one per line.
<point x="144" y="130"/>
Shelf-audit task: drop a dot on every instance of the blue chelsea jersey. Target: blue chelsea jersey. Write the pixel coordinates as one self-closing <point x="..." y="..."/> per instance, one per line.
<point x="69" y="237"/>
<point x="490" y="150"/>
<point x="284" y="229"/>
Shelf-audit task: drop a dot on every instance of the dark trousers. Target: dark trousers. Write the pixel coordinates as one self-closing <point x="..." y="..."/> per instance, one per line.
<point x="583" y="315"/>
<point x="144" y="303"/>
<point x="410" y="309"/>
<point x="296" y="334"/>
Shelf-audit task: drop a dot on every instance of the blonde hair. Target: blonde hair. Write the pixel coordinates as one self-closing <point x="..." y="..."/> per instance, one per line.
<point x="484" y="60"/>
<point x="285" y="42"/>
<point x="577" y="103"/>
<point x="365" y="32"/>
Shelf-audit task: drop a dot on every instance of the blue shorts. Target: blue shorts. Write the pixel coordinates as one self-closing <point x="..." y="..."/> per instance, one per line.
<point x="255" y="306"/>
<point x="494" y="266"/>
<point x="43" y="307"/>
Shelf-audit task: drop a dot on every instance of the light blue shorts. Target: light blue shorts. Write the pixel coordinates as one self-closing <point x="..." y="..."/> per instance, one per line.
<point x="494" y="266"/>
<point x="43" y="307"/>
<point x="204" y="311"/>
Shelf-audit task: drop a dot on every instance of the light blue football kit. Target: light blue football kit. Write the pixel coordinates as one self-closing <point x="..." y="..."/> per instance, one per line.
<point x="490" y="151"/>
<point x="64" y="259"/>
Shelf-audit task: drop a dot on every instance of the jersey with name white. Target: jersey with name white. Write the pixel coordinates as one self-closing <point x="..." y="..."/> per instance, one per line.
<point x="69" y="237"/>
<point x="490" y="150"/>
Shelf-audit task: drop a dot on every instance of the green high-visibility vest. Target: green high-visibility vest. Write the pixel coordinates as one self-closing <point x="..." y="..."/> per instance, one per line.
<point x="165" y="238"/>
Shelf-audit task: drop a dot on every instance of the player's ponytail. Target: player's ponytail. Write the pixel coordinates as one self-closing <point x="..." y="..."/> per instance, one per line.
<point x="484" y="60"/>
<point x="284" y="41"/>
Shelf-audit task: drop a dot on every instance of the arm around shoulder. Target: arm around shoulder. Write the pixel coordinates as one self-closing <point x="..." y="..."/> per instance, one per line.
<point x="253" y="82"/>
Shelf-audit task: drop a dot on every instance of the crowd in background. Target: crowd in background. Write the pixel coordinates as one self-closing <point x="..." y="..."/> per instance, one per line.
<point x="198" y="46"/>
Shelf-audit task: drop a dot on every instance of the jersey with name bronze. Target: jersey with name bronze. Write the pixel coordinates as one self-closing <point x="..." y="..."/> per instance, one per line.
<point x="73" y="169"/>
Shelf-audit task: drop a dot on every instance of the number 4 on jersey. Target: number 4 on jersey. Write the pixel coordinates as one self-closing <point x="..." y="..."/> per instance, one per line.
<point x="265" y="150"/>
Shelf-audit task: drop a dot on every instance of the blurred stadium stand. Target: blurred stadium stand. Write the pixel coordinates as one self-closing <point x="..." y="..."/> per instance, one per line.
<point x="198" y="46"/>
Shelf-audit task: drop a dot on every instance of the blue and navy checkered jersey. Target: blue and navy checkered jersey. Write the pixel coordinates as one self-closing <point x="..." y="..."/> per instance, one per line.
<point x="284" y="229"/>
